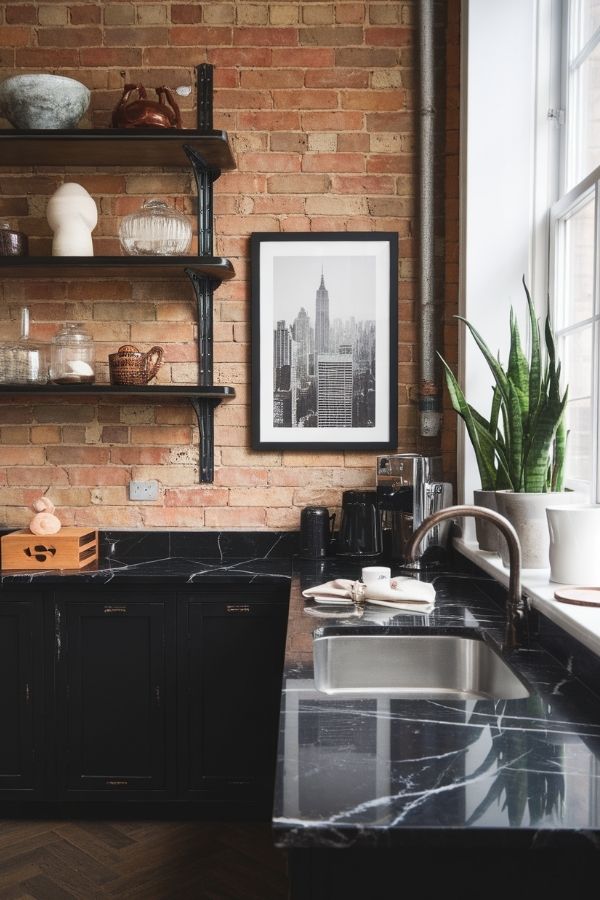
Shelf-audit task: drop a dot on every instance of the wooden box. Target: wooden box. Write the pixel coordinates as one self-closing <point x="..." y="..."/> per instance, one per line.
<point x="71" y="548"/>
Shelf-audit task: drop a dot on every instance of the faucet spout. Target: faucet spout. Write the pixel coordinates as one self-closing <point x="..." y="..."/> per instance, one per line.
<point x="515" y="607"/>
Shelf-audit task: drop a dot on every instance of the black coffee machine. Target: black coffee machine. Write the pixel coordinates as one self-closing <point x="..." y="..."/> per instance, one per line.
<point x="360" y="531"/>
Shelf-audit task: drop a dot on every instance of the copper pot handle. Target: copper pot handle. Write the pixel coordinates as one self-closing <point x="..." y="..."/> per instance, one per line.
<point x="159" y="353"/>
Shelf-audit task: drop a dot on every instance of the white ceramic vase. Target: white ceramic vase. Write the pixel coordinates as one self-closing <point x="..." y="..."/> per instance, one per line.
<point x="574" y="544"/>
<point x="72" y="216"/>
<point x="527" y="514"/>
<point x="486" y="532"/>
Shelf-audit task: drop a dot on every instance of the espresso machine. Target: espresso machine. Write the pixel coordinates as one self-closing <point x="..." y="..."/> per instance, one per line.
<point x="410" y="488"/>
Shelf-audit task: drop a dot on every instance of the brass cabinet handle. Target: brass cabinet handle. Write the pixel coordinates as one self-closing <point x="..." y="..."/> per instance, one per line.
<point x="115" y="610"/>
<point x="116" y="782"/>
<point x="237" y="608"/>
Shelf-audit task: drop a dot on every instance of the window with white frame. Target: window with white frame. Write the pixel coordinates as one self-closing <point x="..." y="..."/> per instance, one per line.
<point x="575" y="237"/>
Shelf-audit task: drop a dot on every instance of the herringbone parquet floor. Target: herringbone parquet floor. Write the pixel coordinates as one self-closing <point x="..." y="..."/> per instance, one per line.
<point x="139" y="860"/>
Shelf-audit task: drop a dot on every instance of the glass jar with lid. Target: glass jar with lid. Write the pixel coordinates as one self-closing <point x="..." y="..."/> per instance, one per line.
<point x="156" y="229"/>
<point x="72" y="356"/>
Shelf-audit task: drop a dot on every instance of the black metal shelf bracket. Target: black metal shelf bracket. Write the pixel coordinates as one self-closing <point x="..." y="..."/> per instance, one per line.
<point x="205" y="413"/>
<point x="203" y="289"/>
<point x="204" y="93"/>
<point x="205" y="176"/>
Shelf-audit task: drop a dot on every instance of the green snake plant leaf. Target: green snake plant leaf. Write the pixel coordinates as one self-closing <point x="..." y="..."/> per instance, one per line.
<point x="535" y="356"/>
<point x="559" y="454"/>
<point x="515" y="448"/>
<point x="483" y="455"/>
<point x="496" y="369"/>
<point x="518" y="369"/>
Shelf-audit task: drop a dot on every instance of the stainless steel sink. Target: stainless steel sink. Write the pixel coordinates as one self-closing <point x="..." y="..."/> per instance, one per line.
<point x="418" y="666"/>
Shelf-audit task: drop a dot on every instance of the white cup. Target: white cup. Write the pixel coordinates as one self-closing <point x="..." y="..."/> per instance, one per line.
<point x="371" y="574"/>
<point x="574" y="544"/>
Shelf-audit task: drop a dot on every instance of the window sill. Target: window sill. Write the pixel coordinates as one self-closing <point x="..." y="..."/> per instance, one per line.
<point x="580" y="622"/>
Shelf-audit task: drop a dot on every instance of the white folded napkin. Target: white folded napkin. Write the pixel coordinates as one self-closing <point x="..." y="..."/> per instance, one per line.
<point x="398" y="591"/>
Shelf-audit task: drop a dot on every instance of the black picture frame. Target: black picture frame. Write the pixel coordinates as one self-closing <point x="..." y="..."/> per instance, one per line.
<point x="324" y="368"/>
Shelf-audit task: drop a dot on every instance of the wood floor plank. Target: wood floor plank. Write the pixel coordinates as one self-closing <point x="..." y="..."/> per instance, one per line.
<point x="140" y="860"/>
<point x="43" y="888"/>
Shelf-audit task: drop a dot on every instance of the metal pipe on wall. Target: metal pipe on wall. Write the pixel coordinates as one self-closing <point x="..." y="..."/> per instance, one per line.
<point x="429" y="392"/>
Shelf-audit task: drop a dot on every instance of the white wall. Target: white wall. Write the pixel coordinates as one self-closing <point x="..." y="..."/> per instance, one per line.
<point x="497" y="152"/>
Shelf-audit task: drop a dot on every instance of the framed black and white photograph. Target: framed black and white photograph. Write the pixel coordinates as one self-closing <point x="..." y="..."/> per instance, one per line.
<point x="324" y="340"/>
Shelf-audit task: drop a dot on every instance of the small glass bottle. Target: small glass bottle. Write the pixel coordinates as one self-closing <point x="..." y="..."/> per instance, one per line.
<point x="73" y="356"/>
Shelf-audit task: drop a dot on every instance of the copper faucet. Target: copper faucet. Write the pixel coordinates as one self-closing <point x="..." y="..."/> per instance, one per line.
<point x="515" y="607"/>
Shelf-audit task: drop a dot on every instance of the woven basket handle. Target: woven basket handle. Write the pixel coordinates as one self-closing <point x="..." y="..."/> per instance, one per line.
<point x="152" y="369"/>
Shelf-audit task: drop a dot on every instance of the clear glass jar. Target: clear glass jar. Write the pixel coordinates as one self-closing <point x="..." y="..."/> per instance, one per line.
<point x="157" y="229"/>
<point x="24" y="361"/>
<point x="72" y="356"/>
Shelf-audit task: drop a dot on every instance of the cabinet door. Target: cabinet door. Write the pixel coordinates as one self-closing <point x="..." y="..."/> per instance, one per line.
<point x="113" y="698"/>
<point x="20" y="696"/>
<point x="234" y="668"/>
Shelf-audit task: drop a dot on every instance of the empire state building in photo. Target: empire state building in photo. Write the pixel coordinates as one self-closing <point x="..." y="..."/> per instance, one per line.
<point x="322" y="319"/>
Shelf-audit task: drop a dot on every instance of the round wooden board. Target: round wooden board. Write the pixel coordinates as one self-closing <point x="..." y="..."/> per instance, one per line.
<point x="579" y="596"/>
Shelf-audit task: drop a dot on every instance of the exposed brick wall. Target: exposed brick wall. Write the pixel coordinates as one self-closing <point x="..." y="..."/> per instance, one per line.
<point x="318" y="99"/>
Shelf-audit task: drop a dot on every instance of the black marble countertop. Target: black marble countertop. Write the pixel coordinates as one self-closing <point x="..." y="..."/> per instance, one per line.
<point x="384" y="772"/>
<point x="380" y="771"/>
<point x="176" y="558"/>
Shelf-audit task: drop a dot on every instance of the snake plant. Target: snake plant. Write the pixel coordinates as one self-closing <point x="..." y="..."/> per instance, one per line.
<point x="521" y="446"/>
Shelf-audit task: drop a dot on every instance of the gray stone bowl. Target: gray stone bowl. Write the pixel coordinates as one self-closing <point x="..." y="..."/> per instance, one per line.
<point x="43" y="101"/>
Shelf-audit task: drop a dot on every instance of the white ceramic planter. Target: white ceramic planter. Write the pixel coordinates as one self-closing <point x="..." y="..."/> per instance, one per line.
<point x="574" y="544"/>
<point x="527" y="514"/>
<point x="486" y="532"/>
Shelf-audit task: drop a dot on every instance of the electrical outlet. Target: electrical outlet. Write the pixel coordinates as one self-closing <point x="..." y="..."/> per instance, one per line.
<point x="143" y="490"/>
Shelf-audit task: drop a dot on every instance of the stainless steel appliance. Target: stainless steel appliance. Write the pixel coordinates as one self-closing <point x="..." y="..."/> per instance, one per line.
<point x="410" y="488"/>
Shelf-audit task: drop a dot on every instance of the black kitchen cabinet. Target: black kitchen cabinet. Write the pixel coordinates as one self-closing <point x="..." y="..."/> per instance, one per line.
<point x="232" y="672"/>
<point x="115" y="696"/>
<point x="21" y="697"/>
<point x="140" y="694"/>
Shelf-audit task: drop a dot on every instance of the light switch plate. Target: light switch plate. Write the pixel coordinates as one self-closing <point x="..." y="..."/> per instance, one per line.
<point x="143" y="490"/>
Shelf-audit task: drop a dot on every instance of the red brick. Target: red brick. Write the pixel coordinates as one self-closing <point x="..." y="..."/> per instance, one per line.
<point x="331" y="35"/>
<point x="199" y="35"/>
<point x="365" y="56"/>
<point x="272" y="78"/>
<point x="362" y="184"/>
<point x="305" y="99"/>
<point x="111" y="56"/>
<point x="389" y="37"/>
<point x="332" y="121"/>
<point x="376" y="100"/>
<point x="21" y="14"/>
<point x="94" y="476"/>
<point x="197" y="496"/>
<point x="185" y="13"/>
<point x="226" y="517"/>
<point x="69" y="37"/>
<point x="15" y="36"/>
<point x="84" y="15"/>
<point x="303" y="57"/>
<point x="240" y="57"/>
<point x="243" y="99"/>
<point x="268" y="120"/>
<point x="89" y="456"/>
<point x="139" y="456"/>
<point x="336" y="78"/>
<point x="270" y="162"/>
<point x="265" y="37"/>
<point x="333" y="162"/>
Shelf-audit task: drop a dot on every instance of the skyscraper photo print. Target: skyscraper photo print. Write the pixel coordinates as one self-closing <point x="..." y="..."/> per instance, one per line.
<point x="324" y="338"/>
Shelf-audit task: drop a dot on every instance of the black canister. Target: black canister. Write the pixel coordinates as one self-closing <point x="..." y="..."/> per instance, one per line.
<point x="316" y="530"/>
<point x="360" y="531"/>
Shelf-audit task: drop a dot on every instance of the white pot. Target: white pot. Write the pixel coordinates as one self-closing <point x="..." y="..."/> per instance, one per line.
<point x="527" y="514"/>
<point x="486" y="532"/>
<point x="574" y="544"/>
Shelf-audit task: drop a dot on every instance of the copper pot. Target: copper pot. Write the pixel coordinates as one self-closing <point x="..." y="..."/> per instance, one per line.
<point x="144" y="113"/>
<point x="131" y="366"/>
